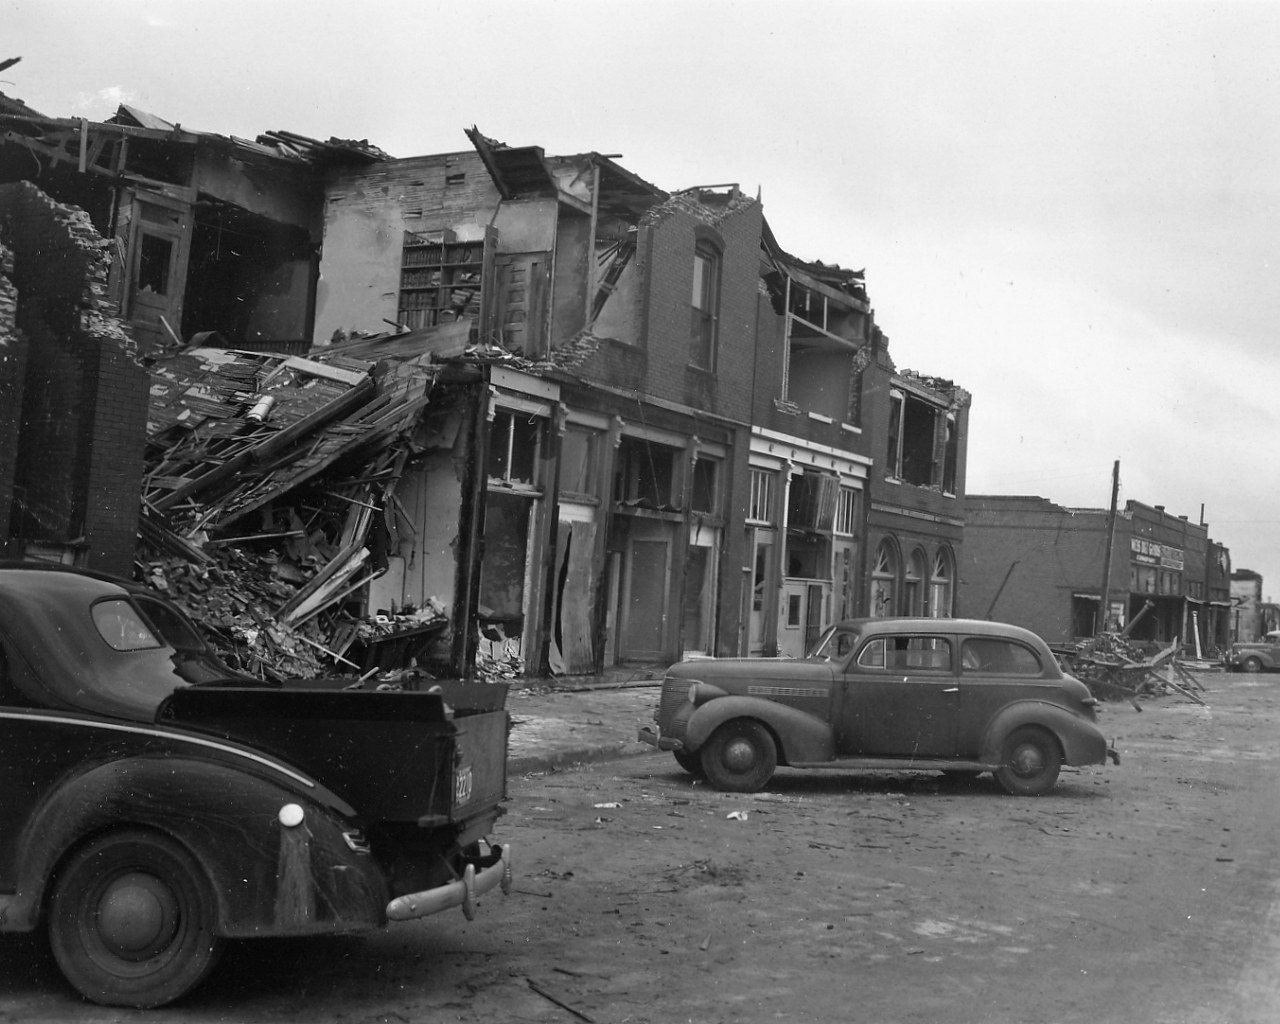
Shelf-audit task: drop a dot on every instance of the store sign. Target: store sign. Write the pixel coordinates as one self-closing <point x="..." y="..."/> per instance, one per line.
<point x="1149" y="552"/>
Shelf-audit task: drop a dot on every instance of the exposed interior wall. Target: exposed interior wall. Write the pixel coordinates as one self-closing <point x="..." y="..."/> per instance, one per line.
<point x="367" y="212"/>
<point x="819" y="382"/>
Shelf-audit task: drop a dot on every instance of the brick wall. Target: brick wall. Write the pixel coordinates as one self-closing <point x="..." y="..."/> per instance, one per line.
<point x="79" y="443"/>
<point x="1058" y="552"/>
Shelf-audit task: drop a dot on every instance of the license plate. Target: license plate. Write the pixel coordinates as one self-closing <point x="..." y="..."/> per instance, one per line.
<point x="462" y="786"/>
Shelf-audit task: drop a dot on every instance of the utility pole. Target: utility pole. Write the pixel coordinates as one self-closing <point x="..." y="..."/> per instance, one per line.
<point x="1101" y="625"/>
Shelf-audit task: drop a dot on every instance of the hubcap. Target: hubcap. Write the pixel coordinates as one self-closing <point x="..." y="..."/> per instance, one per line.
<point x="1028" y="759"/>
<point x="739" y="755"/>
<point x="137" y="916"/>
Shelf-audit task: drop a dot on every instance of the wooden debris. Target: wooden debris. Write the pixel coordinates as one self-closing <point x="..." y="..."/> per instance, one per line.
<point x="1116" y="668"/>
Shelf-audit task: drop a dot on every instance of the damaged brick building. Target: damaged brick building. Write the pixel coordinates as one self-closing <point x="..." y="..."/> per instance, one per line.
<point x="603" y="424"/>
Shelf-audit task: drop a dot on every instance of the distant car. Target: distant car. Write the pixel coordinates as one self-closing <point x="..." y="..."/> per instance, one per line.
<point x="1261" y="656"/>
<point x="153" y="803"/>
<point x="956" y="695"/>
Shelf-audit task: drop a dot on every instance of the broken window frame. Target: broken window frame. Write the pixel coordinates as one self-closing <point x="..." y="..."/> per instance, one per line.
<point x="504" y="416"/>
<point x="951" y="455"/>
<point x="705" y="306"/>
<point x="908" y="438"/>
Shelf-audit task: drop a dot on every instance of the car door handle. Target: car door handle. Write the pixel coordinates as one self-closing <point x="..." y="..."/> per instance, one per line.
<point x="951" y="689"/>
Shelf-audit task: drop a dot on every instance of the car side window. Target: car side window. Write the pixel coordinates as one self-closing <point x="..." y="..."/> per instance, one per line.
<point x="907" y="654"/>
<point x="993" y="656"/>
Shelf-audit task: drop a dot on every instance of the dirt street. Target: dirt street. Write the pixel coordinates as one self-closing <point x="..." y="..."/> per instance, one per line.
<point x="1143" y="893"/>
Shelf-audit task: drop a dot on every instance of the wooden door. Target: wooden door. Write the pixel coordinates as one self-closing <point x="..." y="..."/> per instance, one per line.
<point x="159" y="244"/>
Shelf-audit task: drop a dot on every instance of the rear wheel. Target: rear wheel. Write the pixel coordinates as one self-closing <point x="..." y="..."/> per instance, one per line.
<point x="1252" y="665"/>
<point x="1030" y="762"/>
<point x="740" y="756"/>
<point x="131" y="920"/>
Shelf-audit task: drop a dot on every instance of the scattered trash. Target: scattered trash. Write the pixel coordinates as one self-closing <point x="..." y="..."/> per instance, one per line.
<point x="736" y="816"/>
<point x="610" y="804"/>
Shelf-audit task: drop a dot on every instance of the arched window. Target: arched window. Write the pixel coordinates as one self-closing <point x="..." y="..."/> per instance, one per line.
<point x="913" y="585"/>
<point x="940" y="585"/>
<point x="884" y="581"/>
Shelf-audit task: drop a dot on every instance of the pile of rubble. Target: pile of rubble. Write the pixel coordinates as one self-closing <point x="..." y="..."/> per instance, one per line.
<point x="1115" y="668"/>
<point x="268" y="484"/>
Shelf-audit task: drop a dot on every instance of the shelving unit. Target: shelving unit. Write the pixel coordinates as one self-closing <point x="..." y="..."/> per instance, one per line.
<point x="439" y="281"/>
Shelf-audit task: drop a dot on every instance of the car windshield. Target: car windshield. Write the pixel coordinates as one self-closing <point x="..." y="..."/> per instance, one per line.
<point x="836" y="642"/>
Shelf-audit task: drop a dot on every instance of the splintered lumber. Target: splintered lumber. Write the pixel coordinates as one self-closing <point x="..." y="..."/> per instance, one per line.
<point x="326" y="583"/>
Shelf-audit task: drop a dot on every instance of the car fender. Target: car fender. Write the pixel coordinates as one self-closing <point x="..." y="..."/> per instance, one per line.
<point x="1081" y="741"/>
<point x="800" y="735"/>
<point x="267" y="878"/>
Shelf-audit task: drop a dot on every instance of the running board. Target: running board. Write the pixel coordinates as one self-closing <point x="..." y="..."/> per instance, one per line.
<point x="936" y="764"/>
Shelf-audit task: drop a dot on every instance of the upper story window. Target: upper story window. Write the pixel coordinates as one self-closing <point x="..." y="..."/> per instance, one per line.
<point x="951" y="455"/>
<point x="913" y="435"/>
<point x="706" y="306"/>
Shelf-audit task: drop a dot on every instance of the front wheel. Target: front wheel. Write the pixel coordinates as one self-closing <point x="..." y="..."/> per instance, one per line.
<point x="690" y="762"/>
<point x="131" y="920"/>
<point x="1030" y="762"/>
<point x="740" y="757"/>
<point x="1252" y="665"/>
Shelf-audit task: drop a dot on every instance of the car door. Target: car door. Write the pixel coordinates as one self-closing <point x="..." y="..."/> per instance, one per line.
<point x="901" y="698"/>
<point x="994" y="672"/>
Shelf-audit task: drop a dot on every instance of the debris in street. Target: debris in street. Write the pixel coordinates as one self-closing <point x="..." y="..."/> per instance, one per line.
<point x="1116" y="668"/>
<point x="736" y="816"/>
<point x="557" y="1000"/>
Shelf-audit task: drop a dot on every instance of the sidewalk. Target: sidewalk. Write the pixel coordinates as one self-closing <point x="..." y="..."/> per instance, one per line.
<point x="552" y="728"/>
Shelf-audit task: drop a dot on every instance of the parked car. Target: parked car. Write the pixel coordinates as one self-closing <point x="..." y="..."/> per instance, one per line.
<point x="154" y="803"/>
<point x="1261" y="656"/>
<point x="956" y="695"/>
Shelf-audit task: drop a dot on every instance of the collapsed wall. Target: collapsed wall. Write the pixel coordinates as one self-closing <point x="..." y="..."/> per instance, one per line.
<point x="70" y="473"/>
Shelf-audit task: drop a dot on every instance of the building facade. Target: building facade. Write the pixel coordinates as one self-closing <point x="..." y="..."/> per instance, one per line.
<point x="1041" y="565"/>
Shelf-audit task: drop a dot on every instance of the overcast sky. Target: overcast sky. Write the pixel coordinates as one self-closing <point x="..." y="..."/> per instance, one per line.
<point x="1072" y="210"/>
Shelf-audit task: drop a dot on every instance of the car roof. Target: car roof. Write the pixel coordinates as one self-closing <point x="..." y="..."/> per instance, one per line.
<point x="967" y="627"/>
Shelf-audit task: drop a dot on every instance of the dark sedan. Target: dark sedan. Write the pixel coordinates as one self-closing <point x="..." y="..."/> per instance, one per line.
<point x="955" y="695"/>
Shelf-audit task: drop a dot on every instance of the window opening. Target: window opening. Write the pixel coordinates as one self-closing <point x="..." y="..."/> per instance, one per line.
<point x="578" y="461"/>
<point x="154" y="257"/>
<point x="884" y="576"/>
<point x="513" y="447"/>
<point x="845" y="510"/>
<point x="951" y="457"/>
<point x="940" y="586"/>
<point x="761" y="509"/>
<point x="706" y="301"/>
<point x="645" y="474"/>
<point x="704" y="486"/>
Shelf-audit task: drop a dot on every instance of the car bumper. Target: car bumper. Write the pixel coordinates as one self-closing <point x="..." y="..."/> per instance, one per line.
<point x="648" y="734"/>
<point x="461" y="892"/>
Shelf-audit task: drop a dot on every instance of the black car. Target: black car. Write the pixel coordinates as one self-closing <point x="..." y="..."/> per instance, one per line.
<point x="154" y="803"/>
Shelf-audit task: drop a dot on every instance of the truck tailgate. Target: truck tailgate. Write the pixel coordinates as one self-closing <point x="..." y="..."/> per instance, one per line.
<point x="396" y="757"/>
